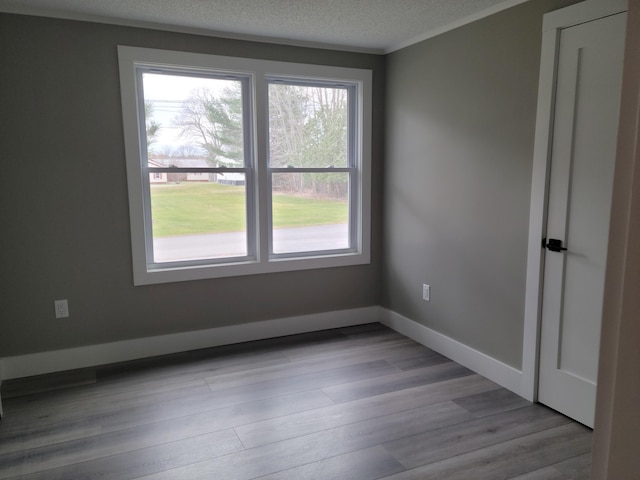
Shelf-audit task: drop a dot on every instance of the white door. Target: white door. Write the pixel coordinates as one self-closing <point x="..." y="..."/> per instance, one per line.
<point x="583" y="146"/>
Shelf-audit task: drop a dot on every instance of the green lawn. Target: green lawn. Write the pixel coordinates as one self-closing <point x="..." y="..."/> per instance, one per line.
<point x="192" y="208"/>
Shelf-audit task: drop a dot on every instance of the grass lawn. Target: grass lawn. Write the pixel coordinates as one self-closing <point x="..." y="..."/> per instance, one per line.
<point x="192" y="208"/>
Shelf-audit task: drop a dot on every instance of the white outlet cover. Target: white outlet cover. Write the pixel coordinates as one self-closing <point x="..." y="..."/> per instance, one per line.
<point x="61" y="308"/>
<point x="426" y="292"/>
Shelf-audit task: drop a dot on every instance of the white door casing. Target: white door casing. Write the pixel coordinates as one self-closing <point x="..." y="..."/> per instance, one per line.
<point x="574" y="154"/>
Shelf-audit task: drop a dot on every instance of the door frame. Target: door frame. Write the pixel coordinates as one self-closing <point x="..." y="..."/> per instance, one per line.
<point x="553" y="23"/>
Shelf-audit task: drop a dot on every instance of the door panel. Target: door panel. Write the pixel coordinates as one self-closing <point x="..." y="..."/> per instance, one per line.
<point x="580" y="187"/>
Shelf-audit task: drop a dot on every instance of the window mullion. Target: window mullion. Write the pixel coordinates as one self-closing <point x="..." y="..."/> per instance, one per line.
<point x="263" y="177"/>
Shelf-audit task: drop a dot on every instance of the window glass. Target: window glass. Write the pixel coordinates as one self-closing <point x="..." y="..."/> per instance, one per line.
<point x="193" y="121"/>
<point x="310" y="212"/>
<point x="200" y="216"/>
<point x="308" y="126"/>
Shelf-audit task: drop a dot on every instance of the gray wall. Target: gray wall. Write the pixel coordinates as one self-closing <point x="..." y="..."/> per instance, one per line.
<point x="63" y="198"/>
<point x="460" y="116"/>
<point x="460" y="112"/>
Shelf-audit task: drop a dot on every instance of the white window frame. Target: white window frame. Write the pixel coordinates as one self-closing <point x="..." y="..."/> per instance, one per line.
<point x="351" y="167"/>
<point x="260" y="259"/>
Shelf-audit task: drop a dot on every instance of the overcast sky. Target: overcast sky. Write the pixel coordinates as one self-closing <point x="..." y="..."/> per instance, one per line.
<point x="166" y="93"/>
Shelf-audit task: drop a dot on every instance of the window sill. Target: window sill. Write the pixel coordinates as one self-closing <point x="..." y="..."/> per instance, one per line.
<point x="158" y="275"/>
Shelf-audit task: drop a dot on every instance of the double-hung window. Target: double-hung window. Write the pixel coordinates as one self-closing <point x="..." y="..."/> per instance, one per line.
<point x="311" y="142"/>
<point x="243" y="166"/>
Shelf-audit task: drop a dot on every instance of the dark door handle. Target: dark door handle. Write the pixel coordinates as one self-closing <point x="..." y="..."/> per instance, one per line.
<point x="553" y="245"/>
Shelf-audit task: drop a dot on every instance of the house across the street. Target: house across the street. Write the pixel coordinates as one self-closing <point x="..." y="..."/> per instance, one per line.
<point x="228" y="178"/>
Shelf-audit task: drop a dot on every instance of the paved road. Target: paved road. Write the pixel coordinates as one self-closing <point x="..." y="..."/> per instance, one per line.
<point x="218" y="245"/>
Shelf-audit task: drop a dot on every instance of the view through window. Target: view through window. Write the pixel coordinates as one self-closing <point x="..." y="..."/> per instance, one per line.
<point x="194" y="136"/>
<point x="309" y="146"/>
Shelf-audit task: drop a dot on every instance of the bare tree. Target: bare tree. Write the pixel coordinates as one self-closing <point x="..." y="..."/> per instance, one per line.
<point x="152" y="127"/>
<point x="214" y="122"/>
<point x="308" y="127"/>
<point x="287" y="107"/>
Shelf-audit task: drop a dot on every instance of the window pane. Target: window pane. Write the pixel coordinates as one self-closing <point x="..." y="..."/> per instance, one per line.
<point x="310" y="212"/>
<point x="308" y="126"/>
<point x="195" y="218"/>
<point x="193" y="122"/>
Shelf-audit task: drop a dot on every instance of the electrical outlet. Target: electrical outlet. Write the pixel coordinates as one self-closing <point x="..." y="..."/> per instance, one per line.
<point x="426" y="292"/>
<point x="61" y="308"/>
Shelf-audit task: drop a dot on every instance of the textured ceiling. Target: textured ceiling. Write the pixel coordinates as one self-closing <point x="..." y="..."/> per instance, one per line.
<point x="361" y="25"/>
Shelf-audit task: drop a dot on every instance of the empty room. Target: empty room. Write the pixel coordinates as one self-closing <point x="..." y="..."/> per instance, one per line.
<point x="288" y="239"/>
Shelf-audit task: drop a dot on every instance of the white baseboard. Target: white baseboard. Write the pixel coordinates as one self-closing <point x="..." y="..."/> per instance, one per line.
<point x="496" y="371"/>
<point x="92" y="355"/>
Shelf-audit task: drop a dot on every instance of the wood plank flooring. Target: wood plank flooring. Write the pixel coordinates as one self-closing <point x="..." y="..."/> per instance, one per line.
<point x="358" y="403"/>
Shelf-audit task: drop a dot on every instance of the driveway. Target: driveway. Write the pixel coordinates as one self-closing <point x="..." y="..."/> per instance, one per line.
<point x="220" y="245"/>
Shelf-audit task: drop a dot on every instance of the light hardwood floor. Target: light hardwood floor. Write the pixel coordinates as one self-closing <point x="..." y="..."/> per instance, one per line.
<point x="358" y="403"/>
